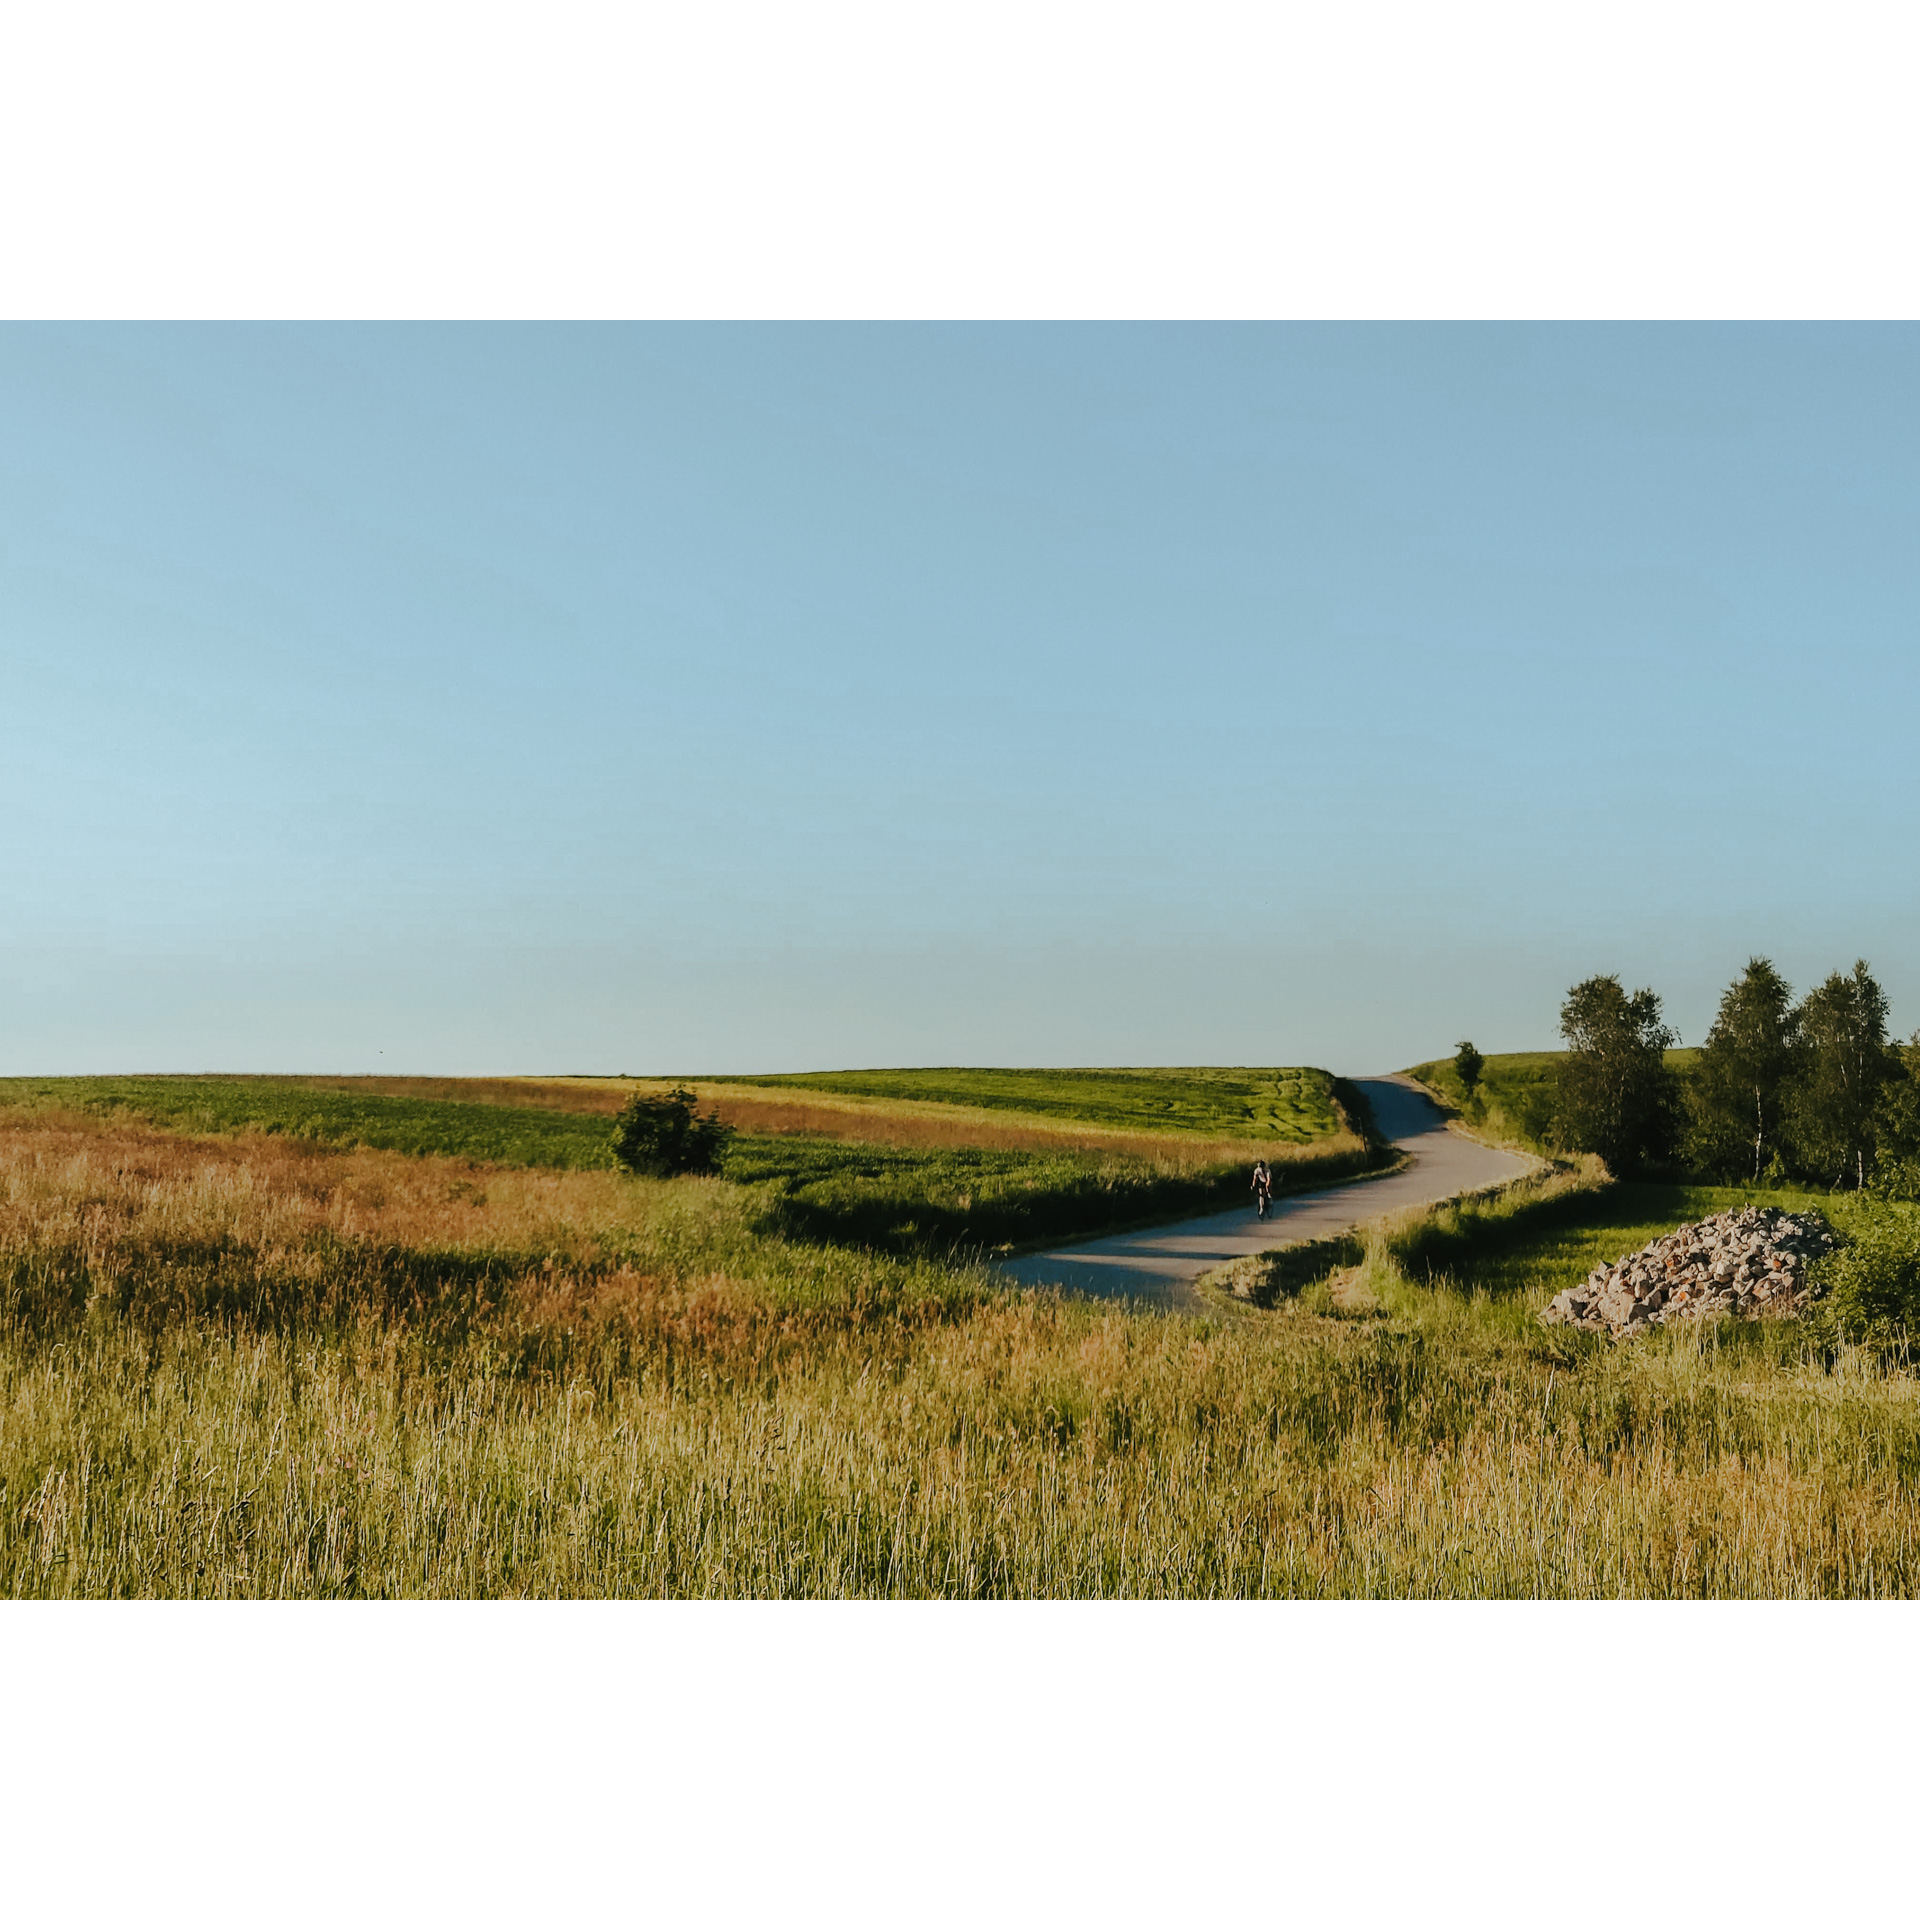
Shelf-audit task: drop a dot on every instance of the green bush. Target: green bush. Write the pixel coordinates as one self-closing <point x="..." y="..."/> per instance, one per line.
<point x="1873" y="1282"/>
<point x="1897" y="1126"/>
<point x="662" y="1134"/>
<point x="1468" y="1060"/>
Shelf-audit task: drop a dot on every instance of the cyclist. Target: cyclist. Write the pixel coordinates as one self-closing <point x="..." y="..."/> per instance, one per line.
<point x="1262" y="1187"/>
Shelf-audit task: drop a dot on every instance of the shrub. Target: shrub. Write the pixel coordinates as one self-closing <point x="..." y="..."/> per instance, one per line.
<point x="1897" y="1127"/>
<point x="1537" y="1110"/>
<point x="1467" y="1063"/>
<point x="662" y="1134"/>
<point x="1873" y="1282"/>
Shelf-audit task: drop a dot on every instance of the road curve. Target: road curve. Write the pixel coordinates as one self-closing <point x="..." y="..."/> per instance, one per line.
<point x="1160" y="1265"/>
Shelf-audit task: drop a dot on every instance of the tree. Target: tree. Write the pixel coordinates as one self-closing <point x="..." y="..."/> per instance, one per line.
<point x="1617" y="1097"/>
<point x="1467" y="1062"/>
<point x="1734" y="1093"/>
<point x="662" y="1134"/>
<point x="1842" y="1063"/>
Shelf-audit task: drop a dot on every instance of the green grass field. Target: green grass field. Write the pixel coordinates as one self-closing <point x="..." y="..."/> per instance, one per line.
<point x="1284" y="1104"/>
<point x="1518" y="1259"/>
<point x="846" y="1191"/>
<point x="1515" y="1098"/>
<point x="251" y="1366"/>
<point x="529" y="1136"/>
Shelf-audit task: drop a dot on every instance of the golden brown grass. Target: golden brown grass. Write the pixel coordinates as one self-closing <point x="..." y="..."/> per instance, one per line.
<point x="256" y="1366"/>
<point x="74" y="1179"/>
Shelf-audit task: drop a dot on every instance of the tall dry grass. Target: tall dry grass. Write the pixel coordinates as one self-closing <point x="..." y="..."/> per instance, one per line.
<point x="77" y="1180"/>
<point x="255" y="1367"/>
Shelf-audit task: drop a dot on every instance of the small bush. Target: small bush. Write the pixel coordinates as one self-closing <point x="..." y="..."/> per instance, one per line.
<point x="1897" y="1180"/>
<point x="662" y="1134"/>
<point x="1873" y="1282"/>
<point x="1468" y="1061"/>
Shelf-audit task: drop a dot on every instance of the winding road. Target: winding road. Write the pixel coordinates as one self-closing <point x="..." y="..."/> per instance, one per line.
<point x="1159" y="1266"/>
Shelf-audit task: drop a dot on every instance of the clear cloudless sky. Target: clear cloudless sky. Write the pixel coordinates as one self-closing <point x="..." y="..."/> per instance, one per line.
<point x="675" y="698"/>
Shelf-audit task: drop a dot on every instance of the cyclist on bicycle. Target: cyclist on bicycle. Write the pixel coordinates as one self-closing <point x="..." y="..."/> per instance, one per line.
<point x="1262" y="1187"/>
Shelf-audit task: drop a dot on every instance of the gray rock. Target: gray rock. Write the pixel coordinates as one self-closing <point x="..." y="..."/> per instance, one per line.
<point x="1742" y="1261"/>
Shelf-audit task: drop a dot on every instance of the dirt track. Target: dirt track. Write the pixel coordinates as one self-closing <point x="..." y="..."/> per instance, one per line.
<point x="1160" y="1265"/>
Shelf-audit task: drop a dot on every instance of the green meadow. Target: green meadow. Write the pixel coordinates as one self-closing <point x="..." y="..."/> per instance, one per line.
<point x="262" y="1365"/>
<point x="850" y="1191"/>
<point x="1283" y="1104"/>
<point x="1514" y="1101"/>
<point x="507" y="1136"/>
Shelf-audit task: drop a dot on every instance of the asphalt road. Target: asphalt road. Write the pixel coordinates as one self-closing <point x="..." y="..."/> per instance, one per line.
<point x="1160" y="1265"/>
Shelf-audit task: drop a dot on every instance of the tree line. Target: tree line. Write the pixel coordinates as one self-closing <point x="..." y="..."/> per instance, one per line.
<point x="1783" y="1089"/>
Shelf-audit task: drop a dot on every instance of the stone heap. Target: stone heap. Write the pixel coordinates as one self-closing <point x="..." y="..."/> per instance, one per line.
<point x="1748" y="1262"/>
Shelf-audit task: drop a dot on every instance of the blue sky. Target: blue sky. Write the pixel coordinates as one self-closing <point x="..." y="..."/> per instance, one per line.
<point x="652" y="698"/>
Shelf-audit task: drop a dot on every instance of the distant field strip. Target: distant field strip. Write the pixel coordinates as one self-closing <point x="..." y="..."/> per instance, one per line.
<point x="1271" y="1105"/>
<point x="891" y="1121"/>
<point x="479" y="1129"/>
<point x="1194" y="1118"/>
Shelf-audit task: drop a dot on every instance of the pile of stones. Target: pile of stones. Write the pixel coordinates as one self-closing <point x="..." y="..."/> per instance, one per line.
<point x="1750" y="1261"/>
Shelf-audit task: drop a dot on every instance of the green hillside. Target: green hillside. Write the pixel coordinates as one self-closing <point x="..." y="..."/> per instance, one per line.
<point x="1251" y="1103"/>
<point x="1516" y="1097"/>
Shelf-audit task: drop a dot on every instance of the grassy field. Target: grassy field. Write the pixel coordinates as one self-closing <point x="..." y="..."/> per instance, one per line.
<point x="882" y="1120"/>
<point x="1514" y="1101"/>
<point x="1519" y="1256"/>
<point x="264" y="1364"/>
<point x="1288" y="1106"/>
<point x="850" y="1188"/>
<point x="539" y="1133"/>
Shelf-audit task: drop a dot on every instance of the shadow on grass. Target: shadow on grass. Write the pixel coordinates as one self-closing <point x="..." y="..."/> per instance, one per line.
<point x="1283" y="1273"/>
<point x="1531" y="1234"/>
<point x="939" y="1203"/>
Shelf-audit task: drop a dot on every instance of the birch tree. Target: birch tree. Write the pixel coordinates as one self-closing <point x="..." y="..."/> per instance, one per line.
<point x="1843" y="1063"/>
<point x="1617" y="1097"/>
<point x="1734" y="1093"/>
